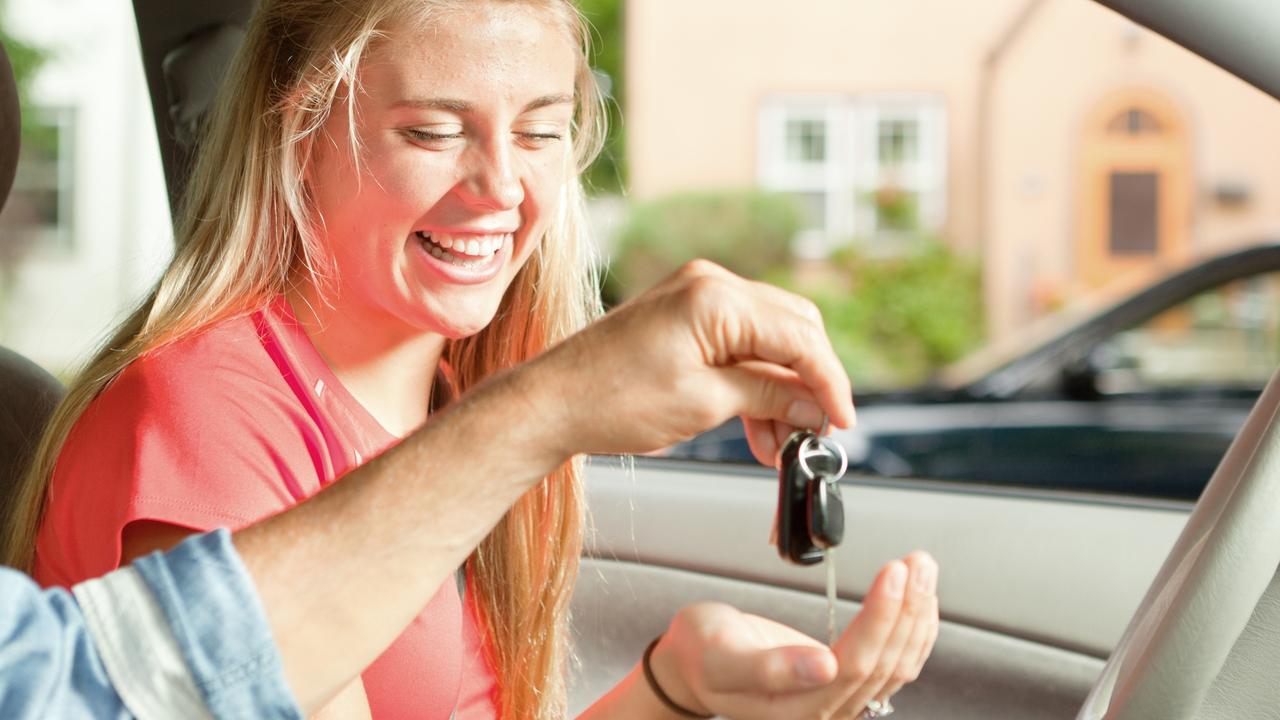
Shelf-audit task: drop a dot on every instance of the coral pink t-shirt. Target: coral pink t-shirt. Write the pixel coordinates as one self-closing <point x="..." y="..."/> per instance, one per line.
<point x="223" y="428"/>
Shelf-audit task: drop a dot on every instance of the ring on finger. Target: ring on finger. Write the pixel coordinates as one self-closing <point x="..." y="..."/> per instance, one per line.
<point x="876" y="709"/>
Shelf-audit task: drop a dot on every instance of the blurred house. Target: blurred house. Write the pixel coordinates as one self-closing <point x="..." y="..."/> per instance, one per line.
<point x="86" y="229"/>
<point x="1065" y="147"/>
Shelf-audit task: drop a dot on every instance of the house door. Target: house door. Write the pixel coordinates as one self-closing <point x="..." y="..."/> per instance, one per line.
<point x="1135" y="188"/>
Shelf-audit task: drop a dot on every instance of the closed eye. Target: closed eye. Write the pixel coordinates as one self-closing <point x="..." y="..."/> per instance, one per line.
<point x="427" y="136"/>
<point x="540" y="139"/>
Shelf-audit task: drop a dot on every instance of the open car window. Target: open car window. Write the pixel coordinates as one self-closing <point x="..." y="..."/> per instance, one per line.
<point x="941" y="188"/>
<point x="87" y="229"/>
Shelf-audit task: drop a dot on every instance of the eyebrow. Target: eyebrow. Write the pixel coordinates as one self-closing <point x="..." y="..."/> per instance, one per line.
<point x="462" y="106"/>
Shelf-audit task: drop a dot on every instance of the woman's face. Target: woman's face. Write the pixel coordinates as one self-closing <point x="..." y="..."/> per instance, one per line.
<point x="464" y="134"/>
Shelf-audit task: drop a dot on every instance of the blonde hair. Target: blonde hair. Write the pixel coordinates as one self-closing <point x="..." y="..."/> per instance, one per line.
<point x="245" y="229"/>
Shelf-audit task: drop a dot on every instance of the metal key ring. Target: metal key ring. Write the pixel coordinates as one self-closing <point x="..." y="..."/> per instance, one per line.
<point x="826" y="443"/>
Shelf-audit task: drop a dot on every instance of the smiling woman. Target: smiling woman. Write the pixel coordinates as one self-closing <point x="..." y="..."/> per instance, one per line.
<point x="385" y="213"/>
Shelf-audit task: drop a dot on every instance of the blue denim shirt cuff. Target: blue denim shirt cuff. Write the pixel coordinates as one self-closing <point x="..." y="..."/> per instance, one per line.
<point x="221" y="627"/>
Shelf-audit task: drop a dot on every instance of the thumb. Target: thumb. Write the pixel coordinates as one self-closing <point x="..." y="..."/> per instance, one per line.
<point x="771" y="670"/>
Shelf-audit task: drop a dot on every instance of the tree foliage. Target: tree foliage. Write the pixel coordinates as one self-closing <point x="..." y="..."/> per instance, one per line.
<point x="608" y="173"/>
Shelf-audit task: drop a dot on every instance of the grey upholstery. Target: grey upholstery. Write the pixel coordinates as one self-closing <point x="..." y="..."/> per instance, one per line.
<point x="1203" y="643"/>
<point x="174" y="35"/>
<point x="192" y="72"/>
<point x="28" y="394"/>
<point x="1239" y="35"/>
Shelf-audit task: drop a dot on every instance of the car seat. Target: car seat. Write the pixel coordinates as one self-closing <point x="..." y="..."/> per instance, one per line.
<point x="28" y="394"/>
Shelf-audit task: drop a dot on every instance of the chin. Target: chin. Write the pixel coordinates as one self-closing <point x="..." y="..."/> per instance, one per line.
<point x="455" y="327"/>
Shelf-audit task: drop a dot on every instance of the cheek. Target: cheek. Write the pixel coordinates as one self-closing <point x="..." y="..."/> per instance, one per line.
<point x="544" y="193"/>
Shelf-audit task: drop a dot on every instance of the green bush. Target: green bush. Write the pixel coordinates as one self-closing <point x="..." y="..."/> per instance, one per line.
<point x="747" y="231"/>
<point x="895" y="321"/>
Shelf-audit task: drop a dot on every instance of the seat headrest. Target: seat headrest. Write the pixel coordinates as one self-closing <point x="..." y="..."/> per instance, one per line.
<point x="10" y="126"/>
<point x="192" y="73"/>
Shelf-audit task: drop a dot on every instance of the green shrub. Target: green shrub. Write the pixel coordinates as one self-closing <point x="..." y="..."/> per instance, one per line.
<point x="895" y="321"/>
<point x="747" y="231"/>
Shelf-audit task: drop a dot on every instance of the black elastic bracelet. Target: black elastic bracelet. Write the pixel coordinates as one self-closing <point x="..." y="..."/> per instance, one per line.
<point x="653" y="685"/>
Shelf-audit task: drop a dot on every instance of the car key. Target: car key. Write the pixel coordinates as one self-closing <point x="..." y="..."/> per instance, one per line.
<point x="825" y="512"/>
<point x="810" y="518"/>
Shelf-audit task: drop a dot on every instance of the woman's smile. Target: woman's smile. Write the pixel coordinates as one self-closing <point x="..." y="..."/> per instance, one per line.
<point x="437" y="195"/>
<point x="464" y="257"/>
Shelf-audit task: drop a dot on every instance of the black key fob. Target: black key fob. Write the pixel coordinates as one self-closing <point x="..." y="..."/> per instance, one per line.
<point x="794" y="542"/>
<point x="826" y="513"/>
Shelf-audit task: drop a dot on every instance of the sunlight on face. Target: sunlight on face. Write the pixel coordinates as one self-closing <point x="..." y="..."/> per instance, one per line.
<point x="465" y="149"/>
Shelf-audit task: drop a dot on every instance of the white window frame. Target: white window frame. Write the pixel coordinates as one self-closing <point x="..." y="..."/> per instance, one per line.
<point x="926" y="176"/>
<point x="852" y="168"/>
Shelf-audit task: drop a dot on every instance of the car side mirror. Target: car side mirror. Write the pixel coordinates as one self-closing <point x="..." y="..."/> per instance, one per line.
<point x="1105" y="370"/>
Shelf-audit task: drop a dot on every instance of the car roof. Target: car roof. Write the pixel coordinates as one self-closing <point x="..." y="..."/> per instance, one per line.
<point x="1001" y="369"/>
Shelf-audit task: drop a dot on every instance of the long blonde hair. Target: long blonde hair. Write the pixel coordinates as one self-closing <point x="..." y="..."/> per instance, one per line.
<point x="244" y="231"/>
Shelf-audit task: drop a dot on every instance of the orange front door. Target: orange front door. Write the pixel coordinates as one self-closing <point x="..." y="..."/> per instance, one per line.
<point x="1135" y="189"/>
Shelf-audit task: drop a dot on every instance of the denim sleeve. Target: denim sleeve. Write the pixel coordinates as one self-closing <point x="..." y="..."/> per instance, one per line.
<point x="220" y="626"/>
<point x="48" y="665"/>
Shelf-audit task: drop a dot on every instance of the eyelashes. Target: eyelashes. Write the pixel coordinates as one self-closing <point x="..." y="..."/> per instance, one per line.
<point x="439" y="139"/>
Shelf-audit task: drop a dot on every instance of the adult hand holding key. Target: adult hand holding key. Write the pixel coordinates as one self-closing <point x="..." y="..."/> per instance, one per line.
<point x="701" y="347"/>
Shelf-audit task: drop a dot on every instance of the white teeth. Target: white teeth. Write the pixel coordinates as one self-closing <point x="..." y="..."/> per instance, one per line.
<point x="469" y="251"/>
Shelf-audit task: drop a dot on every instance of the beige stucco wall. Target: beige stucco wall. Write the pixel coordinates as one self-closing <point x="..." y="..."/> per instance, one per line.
<point x="697" y="72"/>
<point x="1070" y="57"/>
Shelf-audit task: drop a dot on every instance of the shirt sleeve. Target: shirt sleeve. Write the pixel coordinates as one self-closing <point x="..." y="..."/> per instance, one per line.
<point x="183" y="634"/>
<point x="137" y="649"/>
<point x="49" y="667"/>
<point x="219" y="622"/>
<point x="225" y="449"/>
<point x="197" y="447"/>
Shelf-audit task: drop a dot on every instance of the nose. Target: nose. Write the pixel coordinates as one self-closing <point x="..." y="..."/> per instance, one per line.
<point x="491" y="181"/>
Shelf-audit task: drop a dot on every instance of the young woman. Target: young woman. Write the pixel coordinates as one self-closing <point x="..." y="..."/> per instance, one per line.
<point x="386" y="212"/>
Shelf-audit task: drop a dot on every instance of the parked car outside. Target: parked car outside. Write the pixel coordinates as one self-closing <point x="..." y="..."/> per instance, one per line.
<point x="1140" y="397"/>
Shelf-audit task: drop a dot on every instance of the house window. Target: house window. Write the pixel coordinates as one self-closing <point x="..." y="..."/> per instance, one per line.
<point x="37" y="215"/>
<point x="1134" y="121"/>
<point x="897" y="141"/>
<point x="806" y="140"/>
<point x="800" y="144"/>
<point x="900" y="155"/>
<point x="865" y="168"/>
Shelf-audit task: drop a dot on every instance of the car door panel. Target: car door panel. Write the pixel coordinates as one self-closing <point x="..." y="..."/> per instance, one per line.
<point x="973" y="675"/>
<point x="1034" y="573"/>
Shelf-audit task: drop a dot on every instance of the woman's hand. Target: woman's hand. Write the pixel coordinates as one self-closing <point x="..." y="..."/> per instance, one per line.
<point x="715" y="659"/>
<point x="697" y="349"/>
